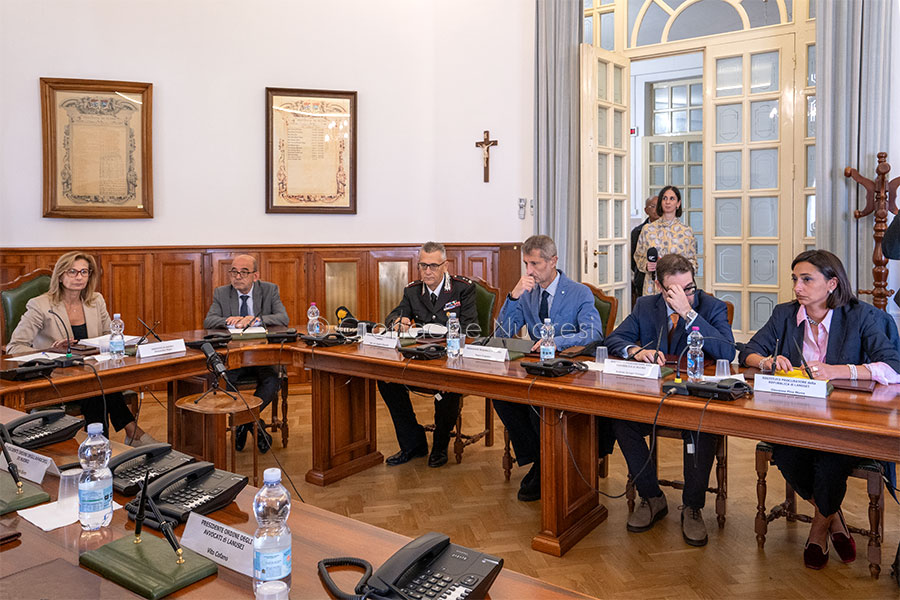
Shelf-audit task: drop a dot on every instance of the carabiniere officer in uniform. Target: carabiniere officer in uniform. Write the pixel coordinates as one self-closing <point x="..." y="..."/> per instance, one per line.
<point x="429" y="299"/>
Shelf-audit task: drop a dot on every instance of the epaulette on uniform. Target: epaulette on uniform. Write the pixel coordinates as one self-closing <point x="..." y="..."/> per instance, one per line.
<point x="412" y="283"/>
<point x="462" y="278"/>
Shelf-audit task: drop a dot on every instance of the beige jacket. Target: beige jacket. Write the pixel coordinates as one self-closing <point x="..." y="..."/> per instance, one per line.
<point x="38" y="328"/>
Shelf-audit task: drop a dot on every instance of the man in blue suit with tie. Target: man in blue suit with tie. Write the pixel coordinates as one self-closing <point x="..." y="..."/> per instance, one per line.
<point x="666" y="319"/>
<point x="543" y="292"/>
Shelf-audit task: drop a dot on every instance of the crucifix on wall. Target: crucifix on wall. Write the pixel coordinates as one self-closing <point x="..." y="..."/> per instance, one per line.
<point x="485" y="146"/>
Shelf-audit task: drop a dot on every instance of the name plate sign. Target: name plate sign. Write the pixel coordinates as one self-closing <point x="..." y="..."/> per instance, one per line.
<point x="221" y="544"/>
<point x="630" y="368"/>
<point x="160" y="348"/>
<point x="32" y="466"/>
<point x="814" y="388"/>
<point x="485" y="353"/>
<point x="380" y="341"/>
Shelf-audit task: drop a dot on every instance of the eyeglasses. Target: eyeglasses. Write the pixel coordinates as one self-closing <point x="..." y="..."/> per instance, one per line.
<point x="431" y="266"/>
<point x="77" y="272"/>
<point x="242" y="273"/>
<point x="689" y="290"/>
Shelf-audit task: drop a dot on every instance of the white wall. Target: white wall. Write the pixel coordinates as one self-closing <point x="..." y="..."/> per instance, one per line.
<point x="430" y="77"/>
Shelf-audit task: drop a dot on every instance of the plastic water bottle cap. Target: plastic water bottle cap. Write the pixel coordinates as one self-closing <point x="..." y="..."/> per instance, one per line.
<point x="312" y="303"/>
<point x="95" y="428"/>
<point x="272" y="590"/>
<point x="116" y="316"/>
<point x="272" y="475"/>
<point x="695" y="328"/>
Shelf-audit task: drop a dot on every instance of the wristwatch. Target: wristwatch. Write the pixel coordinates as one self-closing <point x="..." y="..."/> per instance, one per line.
<point x="692" y="314"/>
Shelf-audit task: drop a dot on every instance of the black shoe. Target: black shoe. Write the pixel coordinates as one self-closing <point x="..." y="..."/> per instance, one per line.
<point x="263" y="441"/>
<point x="240" y="437"/>
<point x="404" y="457"/>
<point x="530" y="488"/>
<point x="437" y="458"/>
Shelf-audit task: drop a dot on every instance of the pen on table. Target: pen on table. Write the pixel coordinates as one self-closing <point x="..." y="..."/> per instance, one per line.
<point x="803" y="361"/>
<point x="142" y="508"/>
<point x="10" y="465"/>
<point x="166" y="528"/>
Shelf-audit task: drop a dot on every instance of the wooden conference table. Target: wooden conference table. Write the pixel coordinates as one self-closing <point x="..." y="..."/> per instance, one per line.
<point x="317" y="534"/>
<point x="343" y="413"/>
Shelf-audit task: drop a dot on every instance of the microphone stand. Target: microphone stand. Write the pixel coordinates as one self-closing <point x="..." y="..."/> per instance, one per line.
<point x="214" y="386"/>
<point x="69" y="360"/>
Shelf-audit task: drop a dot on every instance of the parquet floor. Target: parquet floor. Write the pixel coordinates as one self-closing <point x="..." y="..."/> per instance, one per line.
<point x="473" y="504"/>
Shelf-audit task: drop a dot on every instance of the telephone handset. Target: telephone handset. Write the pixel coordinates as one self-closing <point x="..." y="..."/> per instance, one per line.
<point x="197" y="487"/>
<point x="129" y="467"/>
<point x="556" y="367"/>
<point x="32" y="369"/>
<point x="427" y="352"/>
<point x="43" y="427"/>
<point x="429" y="563"/>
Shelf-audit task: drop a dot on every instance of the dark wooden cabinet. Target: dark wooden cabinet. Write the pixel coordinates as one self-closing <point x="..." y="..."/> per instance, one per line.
<point x="125" y="282"/>
<point x="178" y="285"/>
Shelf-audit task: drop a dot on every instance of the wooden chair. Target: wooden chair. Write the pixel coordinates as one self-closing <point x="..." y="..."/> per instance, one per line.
<point x="867" y="469"/>
<point x="277" y="423"/>
<point x="721" y="487"/>
<point x="487" y="305"/>
<point x="15" y="294"/>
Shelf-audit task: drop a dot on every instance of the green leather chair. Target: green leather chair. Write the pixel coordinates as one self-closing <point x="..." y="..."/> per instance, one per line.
<point x="607" y="306"/>
<point x="14" y="295"/>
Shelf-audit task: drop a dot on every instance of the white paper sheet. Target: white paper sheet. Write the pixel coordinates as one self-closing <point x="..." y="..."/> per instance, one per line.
<point x="48" y="516"/>
<point x="36" y="355"/>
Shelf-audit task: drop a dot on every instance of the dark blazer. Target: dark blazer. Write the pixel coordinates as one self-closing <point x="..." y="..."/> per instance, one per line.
<point x="266" y="305"/>
<point x="573" y="313"/>
<point x="649" y="315"/>
<point x="859" y="334"/>
<point x="637" y="276"/>
<point x="457" y="295"/>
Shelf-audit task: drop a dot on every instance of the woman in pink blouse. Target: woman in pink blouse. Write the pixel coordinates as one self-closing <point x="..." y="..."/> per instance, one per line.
<point x="667" y="234"/>
<point x="840" y="338"/>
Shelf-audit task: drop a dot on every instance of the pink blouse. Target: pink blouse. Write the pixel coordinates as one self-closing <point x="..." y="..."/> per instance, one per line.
<point x="815" y="348"/>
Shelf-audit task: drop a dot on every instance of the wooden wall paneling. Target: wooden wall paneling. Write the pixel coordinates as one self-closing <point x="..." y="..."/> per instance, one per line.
<point x="454" y="263"/>
<point x="179" y="299"/>
<point x="343" y="274"/>
<point x="15" y="265"/>
<point x="126" y="285"/>
<point x="481" y="263"/>
<point x="288" y="270"/>
<point x="509" y="268"/>
<point x="386" y="280"/>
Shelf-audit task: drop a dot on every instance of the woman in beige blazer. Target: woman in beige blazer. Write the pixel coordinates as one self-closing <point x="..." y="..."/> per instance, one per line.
<point x="71" y="310"/>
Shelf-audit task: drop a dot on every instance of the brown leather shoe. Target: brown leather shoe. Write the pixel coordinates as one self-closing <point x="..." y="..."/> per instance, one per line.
<point x="647" y="514"/>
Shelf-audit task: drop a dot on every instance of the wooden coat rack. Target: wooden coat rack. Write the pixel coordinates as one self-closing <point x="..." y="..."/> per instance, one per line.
<point x="881" y="197"/>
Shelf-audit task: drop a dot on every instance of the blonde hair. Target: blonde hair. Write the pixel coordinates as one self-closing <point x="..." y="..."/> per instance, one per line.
<point x="65" y="263"/>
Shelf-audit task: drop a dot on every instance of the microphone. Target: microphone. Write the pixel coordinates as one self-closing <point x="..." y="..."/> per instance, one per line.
<point x="650" y="343"/>
<point x="213" y="360"/>
<point x="65" y="330"/>
<point x="68" y="360"/>
<point x="803" y="359"/>
<point x="652" y="257"/>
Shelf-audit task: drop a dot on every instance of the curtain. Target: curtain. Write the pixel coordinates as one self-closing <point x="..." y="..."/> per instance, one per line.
<point x="853" y="66"/>
<point x="558" y="26"/>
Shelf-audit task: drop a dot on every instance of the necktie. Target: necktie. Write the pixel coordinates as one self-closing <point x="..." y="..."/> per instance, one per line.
<point x="244" y="310"/>
<point x="433" y="298"/>
<point x="544" y="310"/>
<point x="674" y="321"/>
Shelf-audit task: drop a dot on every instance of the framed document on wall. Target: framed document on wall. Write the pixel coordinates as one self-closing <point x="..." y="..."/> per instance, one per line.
<point x="310" y="151"/>
<point x="97" y="138"/>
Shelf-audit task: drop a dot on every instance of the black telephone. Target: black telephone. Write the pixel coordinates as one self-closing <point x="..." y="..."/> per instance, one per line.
<point x="129" y="467"/>
<point x="427" y="567"/>
<point x="32" y="369"/>
<point x="427" y="352"/>
<point x="198" y="487"/>
<point x="279" y="337"/>
<point x="43" y="427"/>
<point x="331" y="339"/>
<point x="556" y="367"/>
<point x="216" y="340"/>
<point x="725" y="389"/>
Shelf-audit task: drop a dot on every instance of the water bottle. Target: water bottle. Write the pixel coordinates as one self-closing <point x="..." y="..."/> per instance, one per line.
<point x="117" y="337"/>
<point x="313" y="325"/>
<point x="95" y="493"/>
<point x="548" y="344"/>
<point x="695" y="355"/>
<point x="453" y="333"/>
<point x="272" y="541"/>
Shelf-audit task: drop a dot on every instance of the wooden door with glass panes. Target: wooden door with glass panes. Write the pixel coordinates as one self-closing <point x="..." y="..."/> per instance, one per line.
<point x="750" y="107"/>
<point x="604" y="174"/>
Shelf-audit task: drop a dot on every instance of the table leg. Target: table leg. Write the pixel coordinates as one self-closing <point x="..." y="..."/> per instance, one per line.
<point x="343" y="427"/>
<point x="570" y="508"/>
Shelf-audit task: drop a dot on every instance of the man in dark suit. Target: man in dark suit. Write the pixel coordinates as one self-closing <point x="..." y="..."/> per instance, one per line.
<point x="429" y="299"/>
<point x="637" y="276"/>
<point x="666" y="318"/>
<point x="544" y="292"/>
<point x="249" y="301"/>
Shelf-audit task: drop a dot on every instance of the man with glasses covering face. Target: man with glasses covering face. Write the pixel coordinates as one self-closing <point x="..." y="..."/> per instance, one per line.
<point x="249" y="301"/>
<point x="429" y="299"/>
<point x="677" y="307"/>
